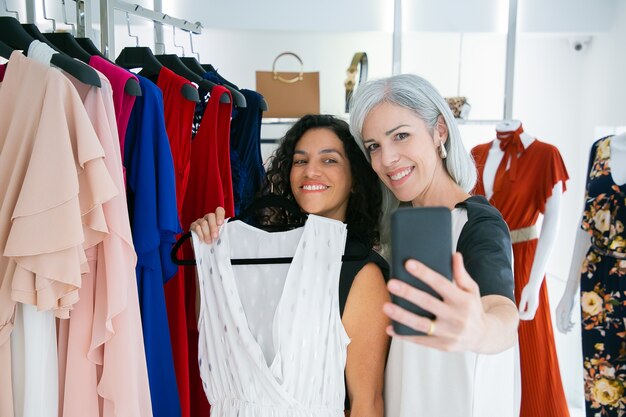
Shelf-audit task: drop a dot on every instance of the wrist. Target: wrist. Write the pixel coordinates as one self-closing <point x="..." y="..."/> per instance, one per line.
<point x="500" y="329"/>
<point x="535" y="281"/>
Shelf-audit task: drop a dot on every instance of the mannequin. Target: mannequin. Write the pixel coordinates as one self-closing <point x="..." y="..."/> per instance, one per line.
<point x="582" y="242"/>
<point x="529" y="299"/>
<point x="524" y="177"/>
<point x="598" y="268"/>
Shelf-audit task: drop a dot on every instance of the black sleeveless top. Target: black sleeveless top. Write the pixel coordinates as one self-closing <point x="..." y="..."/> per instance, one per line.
<point x="350" y="269"/>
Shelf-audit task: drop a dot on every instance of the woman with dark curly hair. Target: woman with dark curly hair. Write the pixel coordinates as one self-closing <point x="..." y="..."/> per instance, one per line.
<point x="364" y="199"/>
<point x="319" y="166"/>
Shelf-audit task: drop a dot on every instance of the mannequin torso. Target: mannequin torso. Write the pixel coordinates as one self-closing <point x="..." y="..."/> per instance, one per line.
<point x="496" y="154"/>
<point x="529" y="299"/>
<point x="618" y="157"/>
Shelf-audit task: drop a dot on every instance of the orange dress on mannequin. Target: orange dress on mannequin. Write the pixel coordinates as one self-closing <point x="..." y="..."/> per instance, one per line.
<point x="520" y="198"/>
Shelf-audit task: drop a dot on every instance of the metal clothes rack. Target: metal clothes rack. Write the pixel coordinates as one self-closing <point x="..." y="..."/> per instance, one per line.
<point x="107" y="22"/>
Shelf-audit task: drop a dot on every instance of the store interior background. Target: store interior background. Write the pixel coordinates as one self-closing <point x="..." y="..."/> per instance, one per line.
<point x="564" y="97"/>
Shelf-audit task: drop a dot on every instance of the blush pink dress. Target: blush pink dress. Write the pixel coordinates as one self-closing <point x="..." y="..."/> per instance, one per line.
<point x="53" y="181"/>
<point x="101" y="346"/>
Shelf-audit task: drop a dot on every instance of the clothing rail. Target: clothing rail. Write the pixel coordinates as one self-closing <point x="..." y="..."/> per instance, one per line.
<point x="107" y="21"/>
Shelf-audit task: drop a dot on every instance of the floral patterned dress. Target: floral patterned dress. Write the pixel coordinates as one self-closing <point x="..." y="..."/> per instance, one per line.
<point x="603" y="288"/>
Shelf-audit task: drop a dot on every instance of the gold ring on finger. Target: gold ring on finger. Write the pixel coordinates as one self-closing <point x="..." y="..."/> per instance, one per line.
<point x="431" y="328"/>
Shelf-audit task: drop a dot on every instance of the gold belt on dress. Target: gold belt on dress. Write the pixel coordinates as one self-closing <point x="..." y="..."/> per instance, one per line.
<point x="524" y="234"/>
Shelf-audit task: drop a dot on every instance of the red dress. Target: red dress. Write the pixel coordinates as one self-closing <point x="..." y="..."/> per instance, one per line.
<point x="520" y="200"/>
<point x="210" y="186"/>
<point x="178" y="119"/>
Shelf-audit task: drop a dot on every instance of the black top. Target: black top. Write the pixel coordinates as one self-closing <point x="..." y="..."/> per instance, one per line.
<point x="350" y="269"/>
<point x="485" y="244"/>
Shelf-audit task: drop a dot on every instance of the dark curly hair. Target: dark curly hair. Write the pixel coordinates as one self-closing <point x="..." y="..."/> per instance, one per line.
<point x="365" y="200"/>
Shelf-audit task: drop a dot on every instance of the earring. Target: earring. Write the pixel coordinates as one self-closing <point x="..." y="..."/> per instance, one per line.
<point x="442" y="150"/>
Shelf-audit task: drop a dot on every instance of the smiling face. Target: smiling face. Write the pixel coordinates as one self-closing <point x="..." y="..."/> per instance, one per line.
<point x="404" y="152"/>
<point x="320" y="174"/>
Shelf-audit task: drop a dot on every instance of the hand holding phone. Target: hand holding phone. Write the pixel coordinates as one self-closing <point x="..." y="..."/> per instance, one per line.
<point x="425" y="234"/>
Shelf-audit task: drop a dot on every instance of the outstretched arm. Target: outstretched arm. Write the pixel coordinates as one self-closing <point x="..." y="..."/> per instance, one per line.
<point x="465" y="320"/>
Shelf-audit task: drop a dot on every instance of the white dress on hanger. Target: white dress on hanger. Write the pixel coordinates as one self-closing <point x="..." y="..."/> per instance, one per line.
<point x="271" y="339"/>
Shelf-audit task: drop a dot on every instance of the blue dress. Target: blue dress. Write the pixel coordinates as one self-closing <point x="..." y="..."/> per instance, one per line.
<point x="151" y="192"/>
<point x="245" y="150"/>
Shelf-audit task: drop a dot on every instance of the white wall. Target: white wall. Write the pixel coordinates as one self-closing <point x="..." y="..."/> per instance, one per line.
<point x="239" y="54"/>
<point x="548" y="81"/>
<point x="288" y="15"/>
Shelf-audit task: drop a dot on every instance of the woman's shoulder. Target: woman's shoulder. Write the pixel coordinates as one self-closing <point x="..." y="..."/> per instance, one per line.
<point x="485" y="226"/>
<point x="479" y="209"/>
<point x="485" y="243"/>
<point x="360" y="255"/>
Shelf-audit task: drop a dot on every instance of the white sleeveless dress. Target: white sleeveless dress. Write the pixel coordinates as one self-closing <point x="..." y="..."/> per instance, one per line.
<point x="271" y="338"/>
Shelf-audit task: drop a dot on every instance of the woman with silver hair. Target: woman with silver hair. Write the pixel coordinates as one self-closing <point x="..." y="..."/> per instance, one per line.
<point x="464" y="364"/>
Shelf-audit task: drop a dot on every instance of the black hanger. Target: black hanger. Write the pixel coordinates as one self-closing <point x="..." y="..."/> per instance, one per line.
<point x="174" y="63"/>
<point x="34" y="31"/>
<point x="88" y="45"/>
<point x="15" y="36"/>
<point x="240" y="99"/>
<point x="65" y="42"/>
<point x="266" y="201"/>
<point x="131" y="87"/>
<point x="12" y="34"/>
<point x="211" y="68"/>
<point x="142" y="57"/>
<point x="193" y="64"/>
<point x="5" y="50"/>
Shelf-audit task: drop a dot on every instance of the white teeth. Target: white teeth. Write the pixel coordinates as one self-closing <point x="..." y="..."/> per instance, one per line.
<point x="314" y="187"/>
<point x="401" y="174"/>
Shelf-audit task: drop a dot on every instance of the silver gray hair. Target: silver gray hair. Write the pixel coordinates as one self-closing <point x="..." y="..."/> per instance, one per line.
<point x="418" y="95"/>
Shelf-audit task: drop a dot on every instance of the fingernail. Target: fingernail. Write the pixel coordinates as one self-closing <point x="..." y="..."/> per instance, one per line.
<point x="214" y="235"/>
<point x="388" y="308"/>
<point x="393" y="286"/>
<point x="411" y="265"/>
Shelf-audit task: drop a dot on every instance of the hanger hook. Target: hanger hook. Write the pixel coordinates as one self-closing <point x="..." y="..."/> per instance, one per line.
<point x="45" y="16"/>
<point x="65" y="19"/>
<point x="174" y="36"/>
<point x="191" y="44"/>
<point x="6" y="9"/>
<point x="129" y="33"/>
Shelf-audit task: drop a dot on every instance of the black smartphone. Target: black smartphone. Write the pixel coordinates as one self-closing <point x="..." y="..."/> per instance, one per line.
<point x="425" y="234"/>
